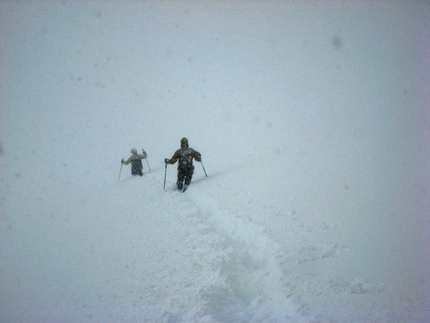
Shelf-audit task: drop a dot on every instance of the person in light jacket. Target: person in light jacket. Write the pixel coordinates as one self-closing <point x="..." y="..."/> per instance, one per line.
<point x="136" y="162"/>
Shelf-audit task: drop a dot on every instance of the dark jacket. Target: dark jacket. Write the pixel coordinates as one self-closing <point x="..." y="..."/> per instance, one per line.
<point x="185" y="157"/>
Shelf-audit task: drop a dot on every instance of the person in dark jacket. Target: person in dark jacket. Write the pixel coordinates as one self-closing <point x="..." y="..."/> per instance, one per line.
<point x="184" y="156"/>
<point x="136" y="162"/>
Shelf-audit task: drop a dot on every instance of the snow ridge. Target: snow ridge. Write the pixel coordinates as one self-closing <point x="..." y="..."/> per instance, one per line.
<point x="249" y="272"/>
<point x="177" y="257"/>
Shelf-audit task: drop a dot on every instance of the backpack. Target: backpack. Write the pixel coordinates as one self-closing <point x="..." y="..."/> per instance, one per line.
<point x="185" y="160"/>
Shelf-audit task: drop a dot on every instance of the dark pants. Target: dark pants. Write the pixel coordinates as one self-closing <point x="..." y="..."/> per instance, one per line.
<point x="136" y="170"/>
<point x="184" y="177"/>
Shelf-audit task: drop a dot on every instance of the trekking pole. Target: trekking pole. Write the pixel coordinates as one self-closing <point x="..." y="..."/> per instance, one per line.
<point x="120" y="172"/>
<point x="204" y="168"/>
<point x="143" y="152"/>
<point x="165" y="172"/>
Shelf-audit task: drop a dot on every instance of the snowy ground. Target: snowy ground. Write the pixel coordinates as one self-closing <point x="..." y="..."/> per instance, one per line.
<point x="313" y="122"/>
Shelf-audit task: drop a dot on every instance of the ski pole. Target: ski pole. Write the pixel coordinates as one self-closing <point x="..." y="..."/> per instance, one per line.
<point x="204" y="168"/>
<point x="165" y="171"/>
<point x="144" y="153"/>
<point x="120" y="172"/>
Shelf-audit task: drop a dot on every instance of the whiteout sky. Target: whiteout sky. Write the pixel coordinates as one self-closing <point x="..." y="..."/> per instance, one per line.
<point x="313" y="108"/>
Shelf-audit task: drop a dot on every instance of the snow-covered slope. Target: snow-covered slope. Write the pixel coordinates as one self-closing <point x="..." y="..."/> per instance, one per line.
<point x="312" y="121"/>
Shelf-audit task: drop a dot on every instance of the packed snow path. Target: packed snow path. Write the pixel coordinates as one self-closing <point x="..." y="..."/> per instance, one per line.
<point x="178" y="257"/>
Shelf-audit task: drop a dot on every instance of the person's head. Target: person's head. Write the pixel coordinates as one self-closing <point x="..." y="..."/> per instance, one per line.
<point x="184" y="143"/>
<point x="134" y="151"/>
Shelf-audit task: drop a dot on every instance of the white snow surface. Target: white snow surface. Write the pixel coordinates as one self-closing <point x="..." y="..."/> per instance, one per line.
<point x="313" y="122"/>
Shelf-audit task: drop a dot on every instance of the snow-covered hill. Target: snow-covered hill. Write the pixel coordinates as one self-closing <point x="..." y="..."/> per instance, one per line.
<point x="312" y="120"/>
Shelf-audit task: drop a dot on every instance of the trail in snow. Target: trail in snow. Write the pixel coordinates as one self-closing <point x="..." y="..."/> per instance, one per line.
<point x="226" y="267"/>
<point x="250" y="277"/>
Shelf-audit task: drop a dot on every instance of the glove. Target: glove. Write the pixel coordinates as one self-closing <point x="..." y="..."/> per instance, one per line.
<point x="143" y="151"/>
<point x="166" y="160"/>
<point x="122" y="161"/>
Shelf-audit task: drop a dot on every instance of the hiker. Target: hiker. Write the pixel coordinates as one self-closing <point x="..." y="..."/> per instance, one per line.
<point x="185" y="156"/>
<point x="136" y="162"/>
